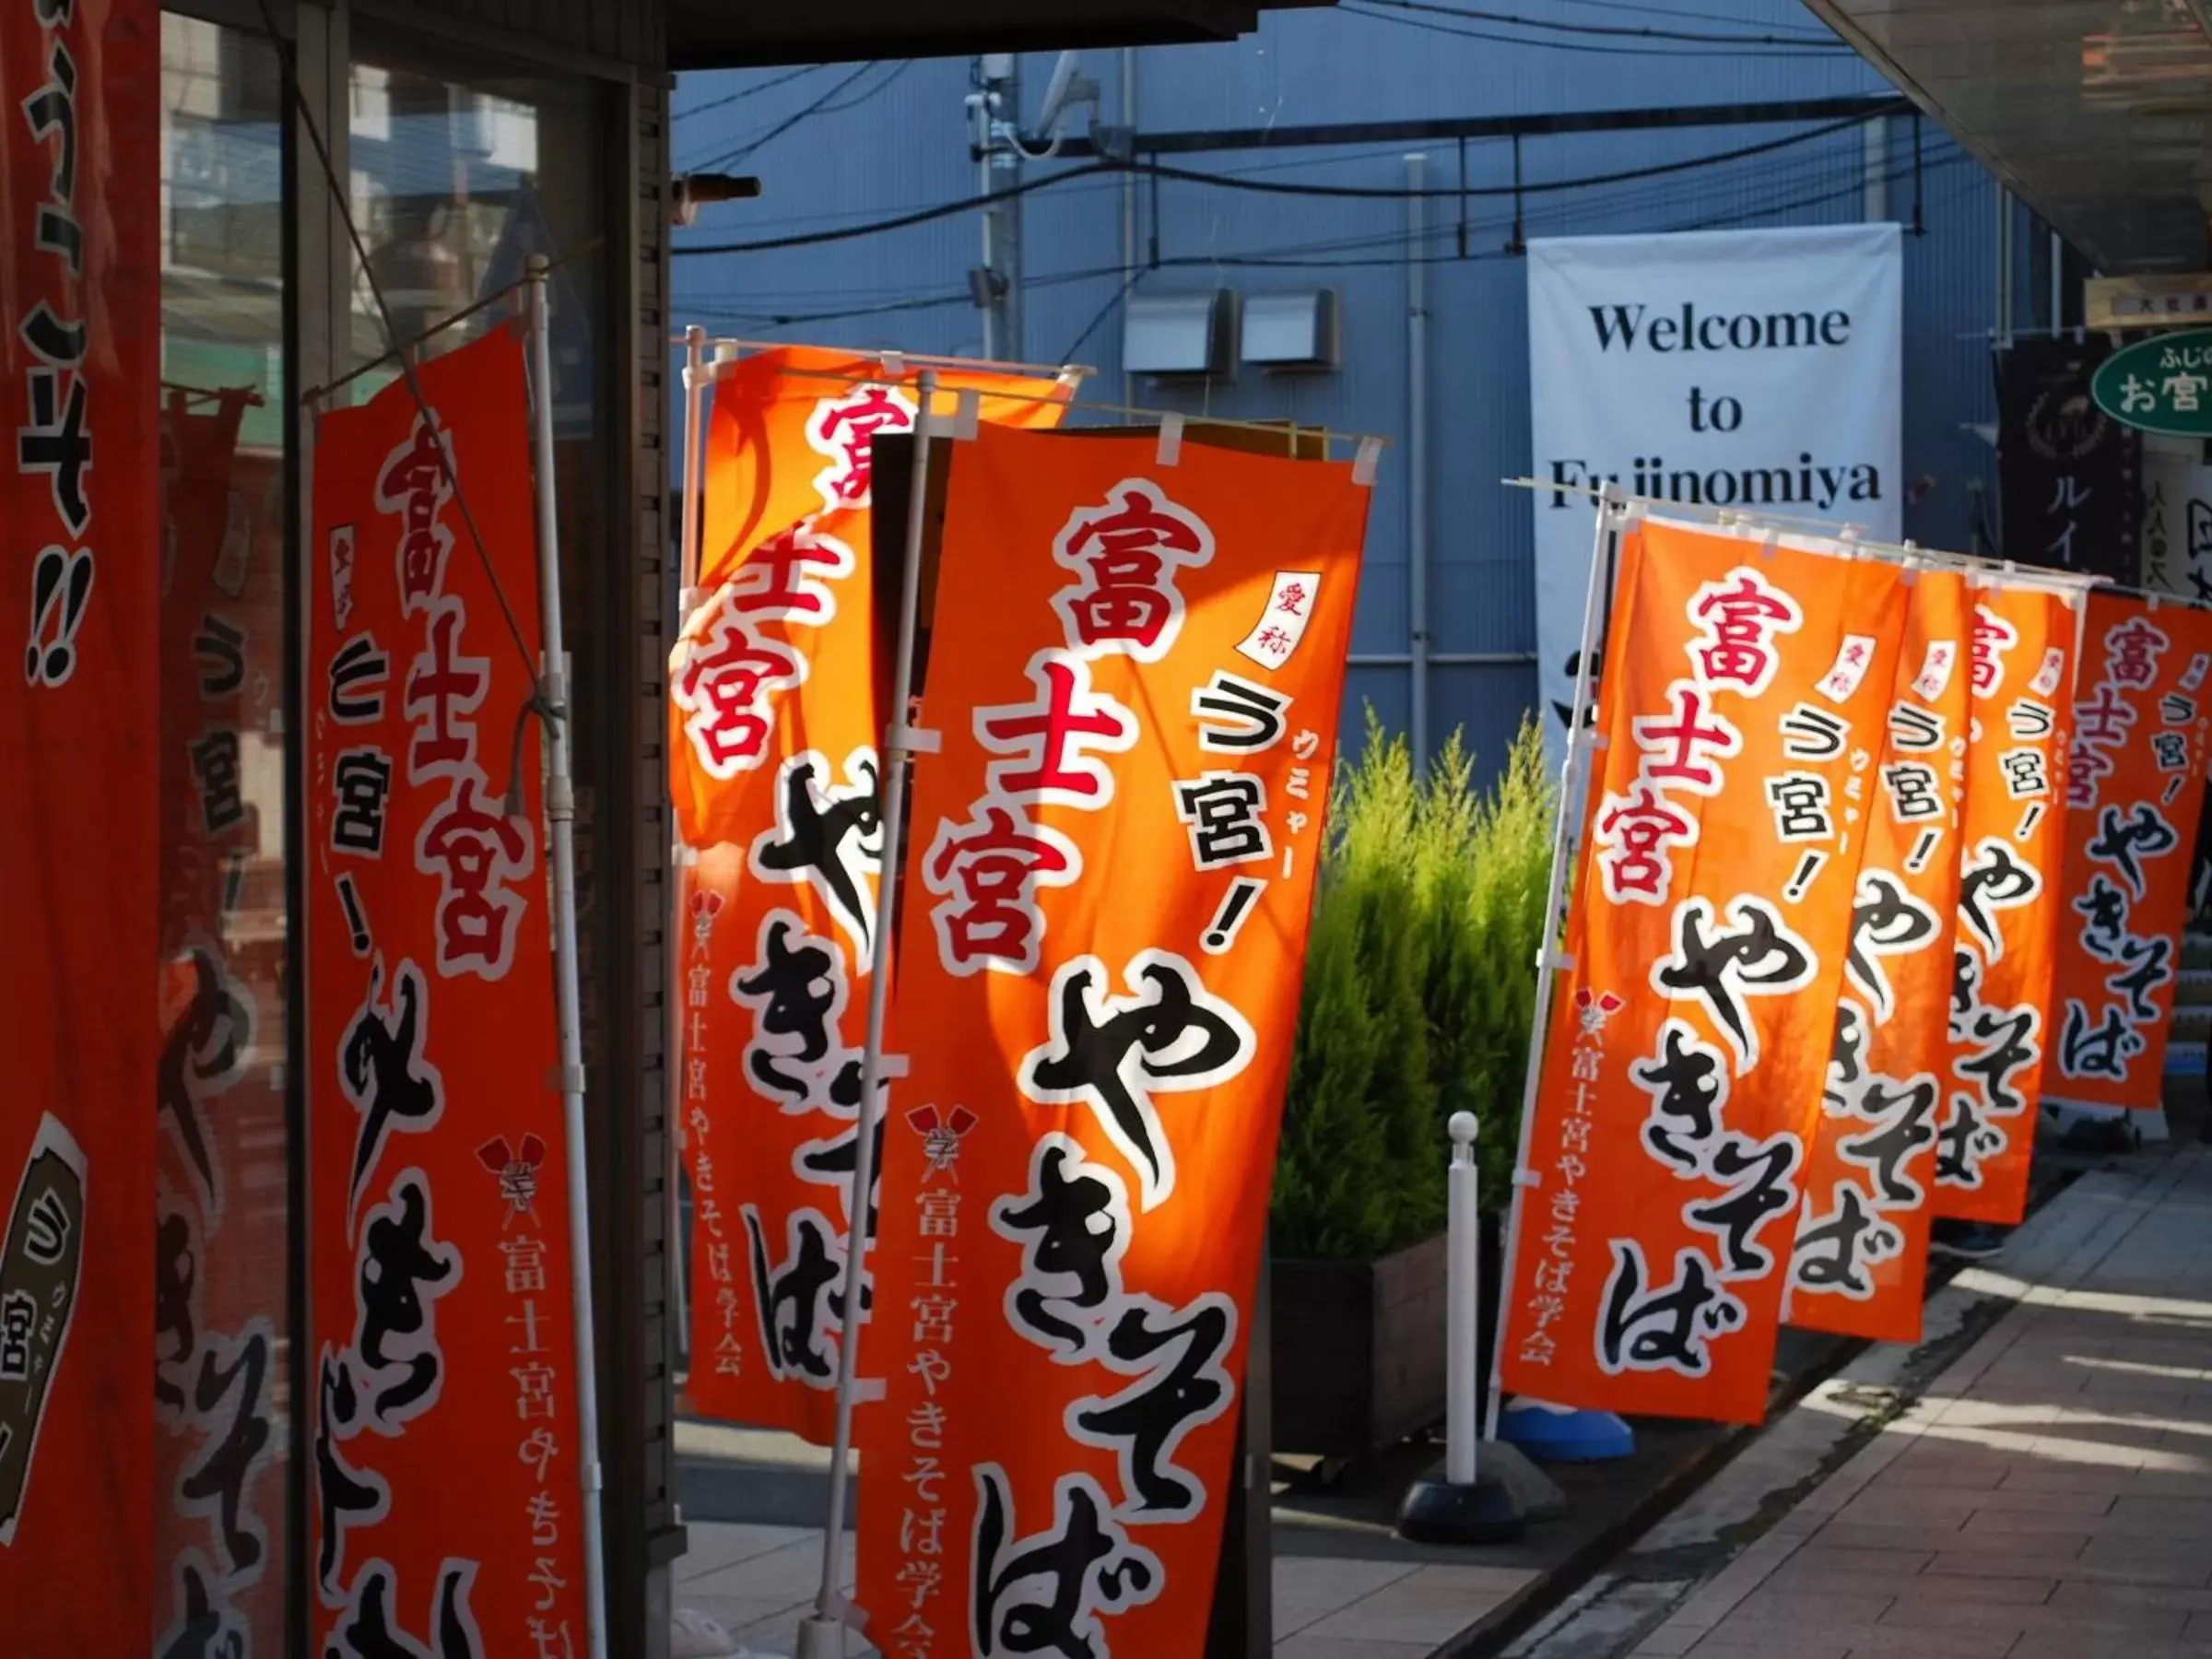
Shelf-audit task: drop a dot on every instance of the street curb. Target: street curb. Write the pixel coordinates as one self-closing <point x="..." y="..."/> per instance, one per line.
<point x="1521" y="1612"/>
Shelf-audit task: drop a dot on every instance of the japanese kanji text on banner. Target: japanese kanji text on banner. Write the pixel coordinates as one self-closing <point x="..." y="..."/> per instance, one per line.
<point x="1707" y="938"/>
<point x="79" y="269"/>
<point x="2135" y="787"/>
<point x="2009" y="903"/>
<point x="439" y="1264"/>
<point x="1135" y="673"/>
<point x="222" y="1551"/>
<point x="1860" y="1261"/>
<point x="773" y="720"/>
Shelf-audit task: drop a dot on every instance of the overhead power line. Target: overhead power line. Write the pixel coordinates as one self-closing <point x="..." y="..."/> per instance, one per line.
<point x="1386" y="249"/>
<point x="920" y="215"/>
<point x="824" y="105"/>
<point x="742" y="93"/>
<point x="1618" y="31"/>
<point x="1385" y="194"/>
<point x="1430" y="24"/>
<point x="1671" y="12"/>
<point x="1269" y="187"/>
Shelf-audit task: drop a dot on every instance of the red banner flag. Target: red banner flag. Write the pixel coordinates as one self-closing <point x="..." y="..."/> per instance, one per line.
<point x="220" y="1248"/>
<point x="1134" y="671"/>
<point x="1860" y="1264"/>
<point x="2135" y="787"/>
<point x="774" y="713"/>
<point x="79" y="895"/>
<point x="1707" y="943"/>
<point x="445" y="1437"/>
<point x="2009" y="901"/>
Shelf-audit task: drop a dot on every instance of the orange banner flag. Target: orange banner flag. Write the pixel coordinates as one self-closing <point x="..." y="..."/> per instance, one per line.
<point x="774" y="717"/>
<point x="80" y="268"/>
<point x="1859" y="1266"/>
<point x="445" y="1498"/>
<point x="1135" y="673"/>
<point x="2009" y="902"/>
<point x="1746" y="698"/>
<point x="787" y="475"/>
<point x="2134" y="788"/>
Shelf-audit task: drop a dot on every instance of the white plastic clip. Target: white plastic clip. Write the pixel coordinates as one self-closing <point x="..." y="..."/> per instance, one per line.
<point x="1170" y="440"/>
<point x="688" y="600"/>
<point x="1767" y="543"/>
<point x="564" y="1079"/>
<point x="967" y="410"/>
<point x="1527" y="1177"/>
<point x="1559" y="961"/>
<point x="890" y="1068"/>
<point x="1365" y="460"/>
<point x="1599" y="743"/>
<point x="894" y="365"/>
<point x="2152" y="600"/>
<point x="866" y="1390"/>
<point x="683" y="857"/>
<point x="912" y="740"/>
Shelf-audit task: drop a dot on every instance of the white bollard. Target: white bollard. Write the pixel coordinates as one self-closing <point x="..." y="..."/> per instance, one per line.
<point x="1457" y="1503"/>
<point x="1463" y="1364"/>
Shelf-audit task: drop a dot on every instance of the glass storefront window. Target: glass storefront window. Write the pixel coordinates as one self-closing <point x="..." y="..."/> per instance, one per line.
<point x="460" y="171"/>
<point x="222" y="1250"/>
<point x="457" y="183"/>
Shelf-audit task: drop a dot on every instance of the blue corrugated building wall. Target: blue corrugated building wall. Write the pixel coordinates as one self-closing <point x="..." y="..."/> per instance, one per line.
<point x="843" y="146"/>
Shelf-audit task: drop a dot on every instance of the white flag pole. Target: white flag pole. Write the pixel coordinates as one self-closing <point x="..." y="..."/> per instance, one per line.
<point x="679" y="855"/>
<point x="561" y="819"/>
<point x="1580" y="744"/>
<point x="821" y="1636"/>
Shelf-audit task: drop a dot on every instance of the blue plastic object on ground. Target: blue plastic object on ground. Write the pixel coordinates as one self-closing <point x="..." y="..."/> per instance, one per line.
<point x="1559" y="1434"/>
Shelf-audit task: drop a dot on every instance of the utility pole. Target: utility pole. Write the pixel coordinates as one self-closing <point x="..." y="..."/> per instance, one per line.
<point x="995" y="112"/>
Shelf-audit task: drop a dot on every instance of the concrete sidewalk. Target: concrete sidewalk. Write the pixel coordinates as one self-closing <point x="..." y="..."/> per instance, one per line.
<point x="2034" y="1482"/>
<point x="756" y="1582"/>
<point x="2048" y="1496"/>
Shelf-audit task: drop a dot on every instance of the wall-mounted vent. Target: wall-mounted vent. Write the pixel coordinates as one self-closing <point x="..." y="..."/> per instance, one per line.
<point x="1181" y="334"/>
<point x="1300" y="330"/>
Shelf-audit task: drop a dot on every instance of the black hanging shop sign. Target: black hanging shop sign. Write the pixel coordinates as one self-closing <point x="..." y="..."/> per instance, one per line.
<point x="2070" y="475"/>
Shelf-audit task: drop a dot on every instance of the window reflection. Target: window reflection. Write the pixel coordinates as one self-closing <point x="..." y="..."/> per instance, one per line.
<point x="460" y="174"/>
<point x="222" y="1276"/>
<point x="457" y="183"/>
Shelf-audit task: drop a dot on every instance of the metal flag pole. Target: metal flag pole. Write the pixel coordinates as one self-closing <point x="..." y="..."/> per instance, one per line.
<point x="561" y="821"/>
<point x="1611" y="510"/>
<point x="823" y="1636"/>
<point x="679" y="880"/>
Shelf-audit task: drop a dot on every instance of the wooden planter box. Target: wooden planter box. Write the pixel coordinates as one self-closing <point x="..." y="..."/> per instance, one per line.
<point x="1358" y="1347"/>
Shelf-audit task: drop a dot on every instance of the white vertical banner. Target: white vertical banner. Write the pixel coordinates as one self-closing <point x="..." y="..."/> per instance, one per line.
<point x="1753" y="369"/>
<point x="2177" y="517"/>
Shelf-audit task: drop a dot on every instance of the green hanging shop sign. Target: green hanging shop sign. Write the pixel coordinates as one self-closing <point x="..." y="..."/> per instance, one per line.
<point x="2163" y="385"/>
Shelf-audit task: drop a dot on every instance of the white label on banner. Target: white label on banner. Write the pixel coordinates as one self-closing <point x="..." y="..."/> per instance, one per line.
<point x="1760" y="370"/>
<point x="1935" y="672"/>
<point x="1282" y="625"/>
<point x="341" y="575"/>
<point x="2045" y="683"/>
<point x="1852" y="661"/>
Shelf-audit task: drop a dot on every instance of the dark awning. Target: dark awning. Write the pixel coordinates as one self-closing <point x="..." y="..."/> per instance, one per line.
<point x="2097" y="112"/>
<point x="723" y="34"/>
